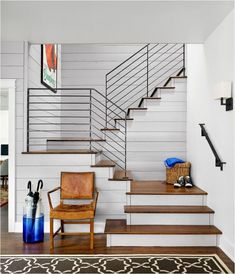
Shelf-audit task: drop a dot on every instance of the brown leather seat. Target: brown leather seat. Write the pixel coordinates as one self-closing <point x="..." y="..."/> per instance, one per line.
<point x="79" y="186"/>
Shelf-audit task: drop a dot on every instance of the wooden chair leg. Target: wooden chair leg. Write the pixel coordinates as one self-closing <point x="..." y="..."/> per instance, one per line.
<point x="51" y="233"/>
<point x="62" y="227"/>
<point x="92" y="234"/>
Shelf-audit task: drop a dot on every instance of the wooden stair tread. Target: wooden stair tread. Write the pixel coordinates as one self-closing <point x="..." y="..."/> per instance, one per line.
<point x="74" y="139"/>
<point x="161" y="188"/>
<point x="119" y="226"/>
<point x="164" y="87"/>
<point x="139" y="108"/>
<point x="174" y="77"/>
<point x="104" y="163"/>
<point x="168" y="209"/>
<point x="119" y="175"/>
<point x="135" y="108"/>
<point x="179" y="77"/>
<point x="147" y="98"/>
<point x="63" y="151"/>
<point x="123" y="119"/>
<point x="152" y="98"/>
<point x="110" y="129"/>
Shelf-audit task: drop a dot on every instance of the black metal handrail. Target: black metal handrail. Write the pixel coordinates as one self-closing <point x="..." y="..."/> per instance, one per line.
<point x="218" y="161"/>
<point x="50" y="117"/>
<point x="141" y="73"/>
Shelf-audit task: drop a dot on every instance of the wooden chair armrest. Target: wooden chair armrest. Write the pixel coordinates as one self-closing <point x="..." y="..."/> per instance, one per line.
<point x="49" y="197"/>
<point x="94" y="202"/>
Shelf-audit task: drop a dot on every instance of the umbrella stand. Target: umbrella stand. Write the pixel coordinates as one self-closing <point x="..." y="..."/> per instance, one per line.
<point x="33" y="220"/>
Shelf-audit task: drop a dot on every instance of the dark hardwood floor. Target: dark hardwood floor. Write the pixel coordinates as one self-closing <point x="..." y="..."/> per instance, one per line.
<point x="12" y="243"/>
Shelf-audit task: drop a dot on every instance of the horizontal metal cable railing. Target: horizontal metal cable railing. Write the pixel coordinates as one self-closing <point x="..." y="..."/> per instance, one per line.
<point x="75" y="118"/>
<point x="140" y="74"/>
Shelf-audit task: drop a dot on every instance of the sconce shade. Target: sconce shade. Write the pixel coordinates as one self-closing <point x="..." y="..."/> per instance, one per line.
<point x="223" y="90"/>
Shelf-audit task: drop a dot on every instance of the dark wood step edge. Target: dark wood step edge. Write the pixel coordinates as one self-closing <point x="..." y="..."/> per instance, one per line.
<point x="168" y="209"/>
<point x="174" y="77"/>
<point x="61" y="152"/>
<point x="137" y="108"/>
<point x="164" y="193"/>
<point x="76" y="140"/>
<point x="110" y="129"/>
<point x="123" y="119"/>
<point x="157" y="88"/>
<point x="104" y="163"/>
<point x="119" y="226"/>
<point x="148" y="98"/>
<point x="120" y="176"/>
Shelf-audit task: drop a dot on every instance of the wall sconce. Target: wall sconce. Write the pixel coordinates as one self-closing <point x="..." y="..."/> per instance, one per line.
<point x="223" y="91"/>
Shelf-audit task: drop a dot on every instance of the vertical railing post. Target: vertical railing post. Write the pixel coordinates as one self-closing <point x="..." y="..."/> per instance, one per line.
<point x="125" y="160"/>
<point x="106" y="102"/>
<point x="147" y="59"/>
<point x="90" y="117"/>
<point x="28" y="120"/>
<point x="183" y="59"/>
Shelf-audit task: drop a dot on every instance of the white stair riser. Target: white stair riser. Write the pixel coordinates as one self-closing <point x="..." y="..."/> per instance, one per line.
<point x="168" y="219"/>
<point x="166" y="200"/>
<point x="160" y="240"/>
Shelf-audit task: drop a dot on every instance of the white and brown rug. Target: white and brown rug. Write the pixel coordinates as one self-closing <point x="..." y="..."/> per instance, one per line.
<point x="112" y="264"/>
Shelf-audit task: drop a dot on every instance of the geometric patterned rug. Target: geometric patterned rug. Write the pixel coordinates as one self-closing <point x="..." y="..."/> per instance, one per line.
<point x="112" y="264"/>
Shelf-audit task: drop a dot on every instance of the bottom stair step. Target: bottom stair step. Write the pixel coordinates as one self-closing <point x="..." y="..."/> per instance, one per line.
<point x="121" y="234"/>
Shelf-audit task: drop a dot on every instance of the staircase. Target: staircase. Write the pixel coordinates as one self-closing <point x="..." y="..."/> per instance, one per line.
<point x="160" y="215"/>
<point x="155" y="214"/>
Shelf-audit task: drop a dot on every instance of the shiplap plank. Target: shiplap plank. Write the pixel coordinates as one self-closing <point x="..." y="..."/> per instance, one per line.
<point x="23" y="171"/>
<point x="12" y="72"/>
<point x="12" y="47"/>
<point x="9" y="59"/>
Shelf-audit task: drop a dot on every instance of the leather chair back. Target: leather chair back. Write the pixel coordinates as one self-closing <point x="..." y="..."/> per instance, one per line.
<point x="77" y="185"/>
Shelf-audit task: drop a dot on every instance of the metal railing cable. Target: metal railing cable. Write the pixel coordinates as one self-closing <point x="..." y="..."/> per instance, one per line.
<point x="140" y="74"/>
<point x="78" y="123"/>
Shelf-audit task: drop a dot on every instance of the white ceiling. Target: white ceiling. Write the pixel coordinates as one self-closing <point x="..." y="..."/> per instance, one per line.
<point x="111" y="21"/>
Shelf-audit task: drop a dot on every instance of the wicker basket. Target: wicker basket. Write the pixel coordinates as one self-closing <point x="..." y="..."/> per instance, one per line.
<point x="173" y="174"/>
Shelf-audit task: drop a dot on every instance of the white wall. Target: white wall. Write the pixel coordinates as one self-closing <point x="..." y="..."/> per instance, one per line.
<point x="208" y="64"/>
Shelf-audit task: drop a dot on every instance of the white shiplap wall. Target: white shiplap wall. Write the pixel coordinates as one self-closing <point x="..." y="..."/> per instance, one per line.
<point x="52" y="103"/>
<point x="48" y="167"/>
<point x="85" y="65"/>
<point x="12" y="67"/>
<point x="154" y="135"/>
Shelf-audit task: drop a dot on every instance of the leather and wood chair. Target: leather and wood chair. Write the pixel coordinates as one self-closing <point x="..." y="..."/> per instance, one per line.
<point x="74" y="186"/>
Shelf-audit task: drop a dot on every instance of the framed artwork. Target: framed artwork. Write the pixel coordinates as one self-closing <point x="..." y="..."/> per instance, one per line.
<point x="49" y="61"/>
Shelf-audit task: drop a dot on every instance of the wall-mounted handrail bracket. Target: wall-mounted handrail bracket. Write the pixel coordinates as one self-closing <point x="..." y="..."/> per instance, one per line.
<point x="218" y="162"/>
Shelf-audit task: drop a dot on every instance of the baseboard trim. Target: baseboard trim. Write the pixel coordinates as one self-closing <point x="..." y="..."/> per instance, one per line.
<point x="99" y="227"/>
<point x="227" y="247"/>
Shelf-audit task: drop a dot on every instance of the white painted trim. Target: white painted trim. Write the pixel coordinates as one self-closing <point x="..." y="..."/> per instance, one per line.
<point x="99" y="227"/>
<point x="10" y="85"/>
<point x="25" y="90"/>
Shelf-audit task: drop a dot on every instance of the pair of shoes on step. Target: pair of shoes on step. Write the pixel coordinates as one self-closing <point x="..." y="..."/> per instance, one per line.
<point x="184" y="182"/>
